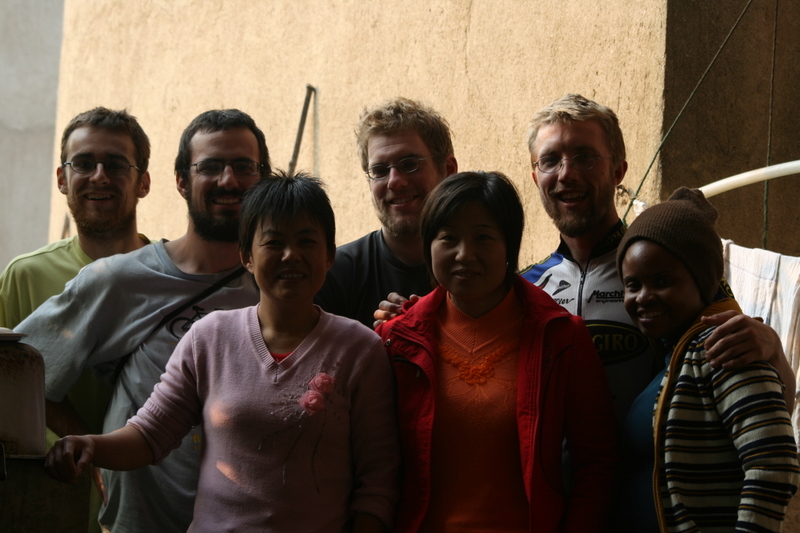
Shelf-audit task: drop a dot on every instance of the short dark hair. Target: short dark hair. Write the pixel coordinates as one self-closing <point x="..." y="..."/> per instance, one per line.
<point x="219" y="120"/>
<point x="280" y="196"/>
<point x="494" y="191"/>
<point x="116" y="121"/>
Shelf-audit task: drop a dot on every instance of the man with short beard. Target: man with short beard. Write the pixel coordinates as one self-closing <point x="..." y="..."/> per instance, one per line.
<point x="103" y="174"/>
<point x="405" y="150"/>
<point x="578" y="158"/>
<point x="123" y="315"/>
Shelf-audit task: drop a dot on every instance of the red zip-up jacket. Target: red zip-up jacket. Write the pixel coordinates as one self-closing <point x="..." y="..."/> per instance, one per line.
<point x="562" y="393"/>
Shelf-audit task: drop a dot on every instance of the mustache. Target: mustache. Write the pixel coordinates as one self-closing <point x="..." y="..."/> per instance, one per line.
<point x="562" y="189"/>
<point x="218" y="192"/>
<point x="93" y="189"/>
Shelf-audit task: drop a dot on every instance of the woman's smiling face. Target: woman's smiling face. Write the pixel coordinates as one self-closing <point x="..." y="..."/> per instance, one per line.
<point x="468" y="256"/>
<point x="661" y="296"/>
<point x="289" y="258"/>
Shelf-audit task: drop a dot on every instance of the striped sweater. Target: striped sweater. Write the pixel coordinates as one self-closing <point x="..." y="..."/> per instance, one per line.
<point x="725" y="454"/>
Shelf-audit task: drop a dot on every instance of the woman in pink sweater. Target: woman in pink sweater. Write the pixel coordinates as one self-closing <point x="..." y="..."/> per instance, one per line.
<point x="492" y="378"/>
<point x="299" y="426"/>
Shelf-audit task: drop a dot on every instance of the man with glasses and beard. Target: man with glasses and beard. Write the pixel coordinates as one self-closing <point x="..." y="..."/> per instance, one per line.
<point x="405" y="151"/>
<point x="578" y="158"/>
<point x="123" y="315"/>
<point x="103" y="174"/>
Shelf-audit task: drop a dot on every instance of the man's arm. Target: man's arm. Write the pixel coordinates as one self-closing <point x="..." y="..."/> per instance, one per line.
<point x="87" y="325"/>
<point x="740" y="340"/>
<point x="63" y="419"/>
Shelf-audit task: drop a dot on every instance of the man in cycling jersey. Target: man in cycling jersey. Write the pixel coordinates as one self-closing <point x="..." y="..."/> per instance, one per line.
<point x="578" y="159"/>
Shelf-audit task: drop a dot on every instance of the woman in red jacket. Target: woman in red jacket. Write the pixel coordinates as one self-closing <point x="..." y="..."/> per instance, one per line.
<point x="492" y="377"/>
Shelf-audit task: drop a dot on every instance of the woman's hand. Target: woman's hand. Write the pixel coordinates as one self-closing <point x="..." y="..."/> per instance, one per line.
<point x="69" y="457"/>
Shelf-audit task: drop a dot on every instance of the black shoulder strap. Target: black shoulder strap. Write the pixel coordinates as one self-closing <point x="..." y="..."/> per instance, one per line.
<point x="201" y="296"/>
<point x="174" y="313"/>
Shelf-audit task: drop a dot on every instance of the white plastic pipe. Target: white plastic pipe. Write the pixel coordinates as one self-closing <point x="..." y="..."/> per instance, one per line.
<point x="754" y="176"/>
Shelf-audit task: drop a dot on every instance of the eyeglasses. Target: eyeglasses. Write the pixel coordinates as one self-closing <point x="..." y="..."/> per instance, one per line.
<point x="551" y="164"/>
<point x="215" y="167"/>
<point x="112" y="167"/>
<point x="407" y="165"/>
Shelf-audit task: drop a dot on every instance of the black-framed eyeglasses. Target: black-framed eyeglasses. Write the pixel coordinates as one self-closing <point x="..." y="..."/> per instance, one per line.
<point x="215" y="167"/>
<point x="551" y="164"/>
<point x="407" y="165"/>
<point x="112" y="167"/>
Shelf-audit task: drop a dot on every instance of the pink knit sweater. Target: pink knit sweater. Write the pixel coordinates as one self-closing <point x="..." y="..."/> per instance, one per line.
<point x="268" y="462"/>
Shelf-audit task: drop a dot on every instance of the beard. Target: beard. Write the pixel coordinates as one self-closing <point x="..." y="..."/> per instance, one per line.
<point x="215" y="229"/>
<point x="212" y="228"/>
<point x="399" y="228"/>
<point x="101" y="224"/>
<point x="578" y="224"/>
<point x="396" y="226"/>
<point x="403" y="227"/>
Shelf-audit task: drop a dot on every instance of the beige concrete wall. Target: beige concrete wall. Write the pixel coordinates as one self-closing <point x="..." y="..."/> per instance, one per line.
<point x="30" y="42"/>
<point x="487" y="65"/>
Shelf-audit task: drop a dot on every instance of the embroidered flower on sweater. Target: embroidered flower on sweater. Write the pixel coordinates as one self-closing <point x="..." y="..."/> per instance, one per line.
<point x="322" y="382"/>
<point x="313" y="401"/>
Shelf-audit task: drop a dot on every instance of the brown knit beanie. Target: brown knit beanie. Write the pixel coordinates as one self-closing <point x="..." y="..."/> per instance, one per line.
<point x="684" y="225"/>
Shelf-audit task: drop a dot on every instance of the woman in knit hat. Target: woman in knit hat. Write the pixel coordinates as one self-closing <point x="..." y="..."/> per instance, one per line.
<point x="492" y="376"/>
<point x="719" y="454"/>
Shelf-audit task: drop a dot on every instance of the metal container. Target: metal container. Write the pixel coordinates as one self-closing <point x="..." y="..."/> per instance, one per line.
<point x="22" y="419"/>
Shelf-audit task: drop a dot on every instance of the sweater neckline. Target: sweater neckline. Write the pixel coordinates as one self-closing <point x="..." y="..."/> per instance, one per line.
<point x="473" y="333"/>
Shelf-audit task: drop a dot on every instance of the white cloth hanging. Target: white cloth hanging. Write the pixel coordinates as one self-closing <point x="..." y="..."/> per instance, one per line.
<point x="767" y="285"/>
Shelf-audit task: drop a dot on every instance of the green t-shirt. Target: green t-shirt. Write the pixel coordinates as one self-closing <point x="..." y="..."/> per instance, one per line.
<point x="27" y="282"/>
<point x="30" y="279"/>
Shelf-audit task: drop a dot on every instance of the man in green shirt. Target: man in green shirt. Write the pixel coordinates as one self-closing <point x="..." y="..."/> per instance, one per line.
<point x="103" y="173"/>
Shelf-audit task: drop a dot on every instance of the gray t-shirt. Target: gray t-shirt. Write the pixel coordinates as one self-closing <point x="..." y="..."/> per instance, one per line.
<point x="109" y="310"/>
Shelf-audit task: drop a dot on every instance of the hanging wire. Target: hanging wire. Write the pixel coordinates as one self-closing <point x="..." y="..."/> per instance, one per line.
<point x="769" y="129"/>
<point x="685" y="105"/>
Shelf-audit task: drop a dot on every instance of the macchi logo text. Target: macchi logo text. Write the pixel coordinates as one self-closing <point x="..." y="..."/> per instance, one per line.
<point x="607" y="296"/>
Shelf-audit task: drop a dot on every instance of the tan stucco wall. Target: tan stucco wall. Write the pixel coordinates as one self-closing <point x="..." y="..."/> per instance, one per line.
<point x="486" y="65"/>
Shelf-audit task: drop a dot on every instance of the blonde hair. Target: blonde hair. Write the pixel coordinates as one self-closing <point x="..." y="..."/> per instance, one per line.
<point x="576" y="108"/>
<point x="403" y="114"/>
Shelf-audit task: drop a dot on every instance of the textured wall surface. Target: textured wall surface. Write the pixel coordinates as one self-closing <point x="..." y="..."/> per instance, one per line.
<point x="744" y="115"/>
<point x="30" y="40"/>
<point x="486" y="65"/>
